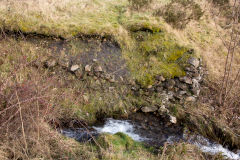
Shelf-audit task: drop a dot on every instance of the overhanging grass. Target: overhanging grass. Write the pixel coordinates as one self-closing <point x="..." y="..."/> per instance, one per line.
<point x="68" y="19"/>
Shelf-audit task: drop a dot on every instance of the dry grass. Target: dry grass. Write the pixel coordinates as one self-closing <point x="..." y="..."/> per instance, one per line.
<point x="27" y="95"/>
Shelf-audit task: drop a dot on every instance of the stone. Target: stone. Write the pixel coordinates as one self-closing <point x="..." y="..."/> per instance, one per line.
<point x="190" y="99"/>
<point x="160" y="78"/>
<point x="98" y="69"/>
<point x="107" y="76"/>
<point x="78" y="73"/>
<point x="195" y="83"/>
<point x="88" y="68"/>
<point x="194" y="61"/>
<point x="182" y="92"/>
<point x="159" y="89"/>
<point x="112" y="79"/>
<point x="121" y="78"/>
<point x="170" y="84"/>
<point x="173" y="119"/>
<point x="74" y="68"/>
<point x="149" y="109"/>
<point x="150" y="86"/>
<point x="51" y="63"/>
<point x="85" y="98"/>
<point x="163" y="110"/>
<point x="186" y="80"/>
<point x="64" y="62"/>
<point x="196" y="91"/>
<point x="94" y="60"/>
<point x="111" y="89"/>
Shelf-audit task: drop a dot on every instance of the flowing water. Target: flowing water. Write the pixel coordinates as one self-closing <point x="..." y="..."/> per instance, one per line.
<point x="141" y="133"/>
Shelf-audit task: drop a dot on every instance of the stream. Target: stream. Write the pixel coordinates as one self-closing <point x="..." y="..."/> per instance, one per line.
<point x="154" y="134"/>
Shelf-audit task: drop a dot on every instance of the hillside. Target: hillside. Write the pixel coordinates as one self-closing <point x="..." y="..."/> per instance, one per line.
<point x="73" y="63"/>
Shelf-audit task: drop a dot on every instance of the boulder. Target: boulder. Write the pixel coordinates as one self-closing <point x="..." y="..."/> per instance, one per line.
<point x="149" y="109"/>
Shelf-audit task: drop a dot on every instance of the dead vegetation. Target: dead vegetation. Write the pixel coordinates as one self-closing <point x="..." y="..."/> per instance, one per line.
<point x="28" y="95"/>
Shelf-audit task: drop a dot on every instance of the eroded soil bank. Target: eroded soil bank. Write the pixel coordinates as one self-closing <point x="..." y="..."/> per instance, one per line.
<point x="98" y="83"/>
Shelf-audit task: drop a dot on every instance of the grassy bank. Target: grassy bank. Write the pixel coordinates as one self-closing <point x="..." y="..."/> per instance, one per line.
<point x="34" y="99"/>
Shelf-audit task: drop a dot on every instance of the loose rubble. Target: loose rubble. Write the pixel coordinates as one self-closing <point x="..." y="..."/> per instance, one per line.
<point x="178" y="90"/>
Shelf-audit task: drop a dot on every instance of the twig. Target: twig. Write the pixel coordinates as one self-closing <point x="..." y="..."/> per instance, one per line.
<point x="23" y="131"/>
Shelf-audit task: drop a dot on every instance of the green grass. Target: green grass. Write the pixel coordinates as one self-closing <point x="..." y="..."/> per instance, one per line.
<point x="156" y="54"/>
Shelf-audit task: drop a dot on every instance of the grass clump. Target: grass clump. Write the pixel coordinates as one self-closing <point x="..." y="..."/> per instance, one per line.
<point x="120" y="146"/>
<point x="179" y="13"/>
<point x="138" y="4"/>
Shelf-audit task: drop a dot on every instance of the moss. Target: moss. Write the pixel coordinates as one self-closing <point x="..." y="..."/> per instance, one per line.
<point x="156" y="53"/>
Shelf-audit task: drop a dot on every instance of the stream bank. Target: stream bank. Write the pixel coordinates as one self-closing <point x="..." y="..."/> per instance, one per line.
<point x="152" y="132"/>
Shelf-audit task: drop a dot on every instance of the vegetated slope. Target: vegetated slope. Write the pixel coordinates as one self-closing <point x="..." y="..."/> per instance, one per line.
<point x="152" y="43"/>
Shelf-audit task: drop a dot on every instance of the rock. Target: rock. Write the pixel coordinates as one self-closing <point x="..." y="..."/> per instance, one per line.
<point x="163" y="110"/>
<point x="107" y="77"/>
<point x="186" y="80"/>
<point x="64" y="63"/>
<point x="195" y="83"/>
<point x="88" y="68"/>
<point x="190" y="99"/>
<point x="111" y="89"/>
<point x="121" y="78"/>
<point x="194" y="61"/>
<point x="94" y="60"/>
<point x="74" y="68"/>
<point x="149" y="109"/>
<point x="112" y="79"/>
<point x="51" y="63"/>
<point x="182" y="93"/>
<point x="196" y="91"/>
<point x="160" y="78"/>
<point x="150" y="86"/>
<point x="170" y="84"/>
<point x="98" y="69"/>
<point x="78" y="73"/>
<point x="85" y="98"/>
<point x="159" y="89"/>
<point x="182" y="86"/>
<point x="173" y="119"/>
